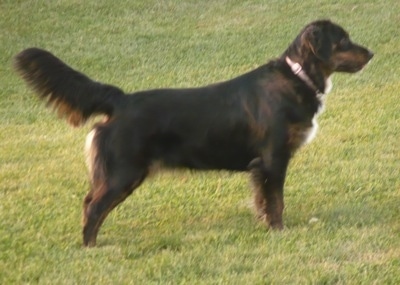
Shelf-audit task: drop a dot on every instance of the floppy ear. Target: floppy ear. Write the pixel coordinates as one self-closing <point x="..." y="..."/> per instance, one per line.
<point x="318" y="42"/>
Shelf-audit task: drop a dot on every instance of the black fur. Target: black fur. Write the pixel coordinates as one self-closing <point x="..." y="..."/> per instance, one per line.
<point x="254" y="122"/>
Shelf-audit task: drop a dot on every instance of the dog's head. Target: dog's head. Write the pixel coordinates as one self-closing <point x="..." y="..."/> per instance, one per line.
<point x="328" y="45"/>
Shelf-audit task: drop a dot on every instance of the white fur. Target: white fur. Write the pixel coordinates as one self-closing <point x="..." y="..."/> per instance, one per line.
<point x="328" y="85"/>
<point x="312" y="132"/>
<point x="90" y="151"/>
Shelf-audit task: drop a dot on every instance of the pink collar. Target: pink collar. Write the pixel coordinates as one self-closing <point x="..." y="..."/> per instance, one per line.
<point x="298" y="70"/>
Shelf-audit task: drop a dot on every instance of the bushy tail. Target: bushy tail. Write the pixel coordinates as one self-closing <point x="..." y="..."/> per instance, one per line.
<point x="72" y="94"/>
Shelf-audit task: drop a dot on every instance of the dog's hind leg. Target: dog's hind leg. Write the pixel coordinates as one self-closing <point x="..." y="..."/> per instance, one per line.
<point x="268" y="181"/>
<point x="104" y="197"/>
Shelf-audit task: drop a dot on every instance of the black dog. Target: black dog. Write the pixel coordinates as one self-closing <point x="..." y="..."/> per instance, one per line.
<point x="254" y="122"/>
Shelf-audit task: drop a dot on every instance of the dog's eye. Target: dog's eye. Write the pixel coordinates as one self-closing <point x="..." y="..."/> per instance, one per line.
<point x="344" y="43"/>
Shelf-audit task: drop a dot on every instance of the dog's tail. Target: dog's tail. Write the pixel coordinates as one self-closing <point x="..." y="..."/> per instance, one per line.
<point x="72" y="94"/>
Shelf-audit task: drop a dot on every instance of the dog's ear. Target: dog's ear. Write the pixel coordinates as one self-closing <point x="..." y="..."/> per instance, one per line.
<point x="318" y="42"/>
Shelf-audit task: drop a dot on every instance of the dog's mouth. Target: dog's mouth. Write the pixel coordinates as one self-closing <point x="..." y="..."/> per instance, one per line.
<point x="355" y="65"/>
<point x="350" y="69"/>
<point x="353" y="68"/>
<point x="370" y="56"/>
<point x="361" y="68"/>
<point x="364" y="65"/>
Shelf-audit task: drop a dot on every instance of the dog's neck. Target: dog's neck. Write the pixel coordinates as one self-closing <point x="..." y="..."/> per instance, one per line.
<point x="298" y="70"/>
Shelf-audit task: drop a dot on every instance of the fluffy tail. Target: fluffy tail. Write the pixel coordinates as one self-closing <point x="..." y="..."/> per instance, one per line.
<point x="72" y="94"/>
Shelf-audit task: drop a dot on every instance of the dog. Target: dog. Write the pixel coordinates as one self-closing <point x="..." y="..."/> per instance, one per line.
<point x="253" y="123"/>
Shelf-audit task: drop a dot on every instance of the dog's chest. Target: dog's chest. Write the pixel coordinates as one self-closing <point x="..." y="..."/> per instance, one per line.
<point x="299" y="134"/>
<point x="304" y="132"/>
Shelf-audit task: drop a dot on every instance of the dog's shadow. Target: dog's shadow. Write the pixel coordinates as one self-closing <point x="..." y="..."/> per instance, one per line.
<point x="151" y="238"/>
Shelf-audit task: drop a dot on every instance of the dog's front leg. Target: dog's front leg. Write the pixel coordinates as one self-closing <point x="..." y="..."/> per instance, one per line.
<point x="268" y="179"/>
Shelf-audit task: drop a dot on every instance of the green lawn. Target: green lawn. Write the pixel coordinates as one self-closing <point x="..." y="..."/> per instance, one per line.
<point x="342" y="193"/>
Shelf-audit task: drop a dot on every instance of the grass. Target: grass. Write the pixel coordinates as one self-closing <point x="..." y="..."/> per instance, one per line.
<point x="342" y="193"/>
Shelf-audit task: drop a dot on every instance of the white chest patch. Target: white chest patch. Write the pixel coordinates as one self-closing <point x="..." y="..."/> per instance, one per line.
<point x="328" y="86"/>
<point x="312" y="131"/>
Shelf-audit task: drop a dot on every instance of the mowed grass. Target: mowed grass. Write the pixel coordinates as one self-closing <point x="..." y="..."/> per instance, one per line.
<point x="342" y="192"/>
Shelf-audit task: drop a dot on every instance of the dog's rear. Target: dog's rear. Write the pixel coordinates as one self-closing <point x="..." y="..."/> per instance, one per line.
<point x="76" y="98"/>
<point x="72" y="94"/>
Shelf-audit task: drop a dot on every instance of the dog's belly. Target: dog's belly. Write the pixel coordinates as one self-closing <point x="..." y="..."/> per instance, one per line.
<point x="207" y="157"/>
<point x="212" y="160"/>
<point x="237" y="161"/>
